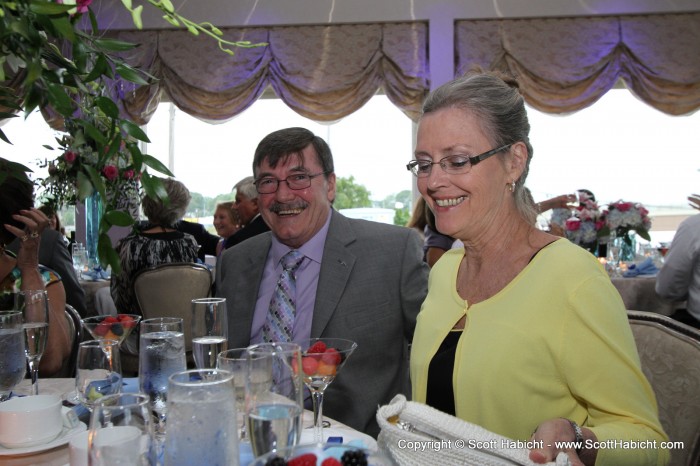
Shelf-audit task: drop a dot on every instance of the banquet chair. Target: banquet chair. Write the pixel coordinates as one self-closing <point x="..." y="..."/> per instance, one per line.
<point x="75" y="329"/>
<point x="167" y="290"/>
<point x="670" y="355"/>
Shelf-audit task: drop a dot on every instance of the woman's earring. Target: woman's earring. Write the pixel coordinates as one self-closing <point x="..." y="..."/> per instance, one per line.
<point x="511" y="186"/>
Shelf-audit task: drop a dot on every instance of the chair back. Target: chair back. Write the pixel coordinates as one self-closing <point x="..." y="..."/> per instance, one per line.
<point x="75" y="329"/>
<point x="167" y="290"/>
<point x="670" y="356"/>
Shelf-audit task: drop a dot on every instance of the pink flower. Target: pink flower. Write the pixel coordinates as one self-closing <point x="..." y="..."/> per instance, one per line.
<point x="110" y="172"/>
<point x="69" y="156"/>
<point x="83" y="5"/>
<point x="599" y="224"/>
<point x="573" y="224"/>
<point x="128" y="174"/>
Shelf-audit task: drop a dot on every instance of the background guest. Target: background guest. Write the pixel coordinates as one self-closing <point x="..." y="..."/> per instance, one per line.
<point x="206" y="241"/>
<point x="355" y="279"/>
<point x="54" y="221"/>
<point x="252" y="223"/>
<point x="159" y="244"/>
<point x="226" y="222"/>
<point x="500" y="336"/>
<point x="434" y="243"/>
<point x="679" y="277"/>
<point x="18" y="219"/>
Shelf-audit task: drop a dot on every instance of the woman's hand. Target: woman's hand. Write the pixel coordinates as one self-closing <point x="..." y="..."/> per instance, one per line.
<point x="35" y="221"/>
<point x="560" y="430"/>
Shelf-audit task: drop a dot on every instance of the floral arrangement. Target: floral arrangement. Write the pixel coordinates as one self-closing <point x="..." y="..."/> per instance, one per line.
<point x="585" y="223"/>
<point x="52" y="60"/>
<point x="623" y="217"/>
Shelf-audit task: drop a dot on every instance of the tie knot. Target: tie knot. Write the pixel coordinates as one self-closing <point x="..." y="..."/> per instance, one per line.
<point x="292" y="260"/>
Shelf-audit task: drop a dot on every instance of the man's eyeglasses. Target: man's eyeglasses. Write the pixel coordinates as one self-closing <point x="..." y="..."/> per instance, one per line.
<point x="269" y="185"/>
<point x="452" y="164"/>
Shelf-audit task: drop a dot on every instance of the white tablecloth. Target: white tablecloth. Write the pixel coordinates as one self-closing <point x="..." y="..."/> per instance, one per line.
<point x="59" y="456"/>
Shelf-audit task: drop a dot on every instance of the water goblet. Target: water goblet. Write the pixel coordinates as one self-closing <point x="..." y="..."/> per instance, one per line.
<point x="322" y="360"/>
<point x="209" y="330"/>
<point x="98" y="371"/>
<point x="161" y="354"/>
<point x="202" y="426"/>
<point x="34" y="305"/>
<point x="121" y="431"/>
<point x="13" y="363"/>
<point x="80" y="259"/>
<point x="274" y="396"/>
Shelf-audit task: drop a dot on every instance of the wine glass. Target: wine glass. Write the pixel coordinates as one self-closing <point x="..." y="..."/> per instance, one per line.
<point x="322" y="359"/>
<point x="236" y="361"/>
<point x="209" y="330"/>
<point x="34" y="305"/>
<point x="80" y="259"/>
<point x="13" y="361"/>
<point x="121" y="431"/>
<point x="98" y="371"/>
<point x="273" y="396"/>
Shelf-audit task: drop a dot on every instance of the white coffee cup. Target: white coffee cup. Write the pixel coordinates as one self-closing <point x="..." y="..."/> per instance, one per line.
<point x="78" y="449"/>
<point x="30" y="420"/>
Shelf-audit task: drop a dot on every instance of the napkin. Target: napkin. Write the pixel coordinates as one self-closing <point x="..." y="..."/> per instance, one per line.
<point x="646" y="267"/>
<point x="98" y="273"/>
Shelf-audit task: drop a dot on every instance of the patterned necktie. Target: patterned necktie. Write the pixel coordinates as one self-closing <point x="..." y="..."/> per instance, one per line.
<point x="280" y="317"/>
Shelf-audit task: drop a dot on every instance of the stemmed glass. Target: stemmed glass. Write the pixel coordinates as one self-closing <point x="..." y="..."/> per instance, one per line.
<point x="13" y="360"/>
<point x="80" y="259"/>
<point x="98" y="371"/>
<point x="121" y="431"/>
<point x="209" y="330"/>
<point x="34" y="305"/>
<point x="117" y="327"/>
<point x="236" y="361"/>
<point x="322" y="359"/>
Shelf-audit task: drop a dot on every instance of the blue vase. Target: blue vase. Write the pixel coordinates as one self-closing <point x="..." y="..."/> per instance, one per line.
<point x="628" y="246"/>
<point x="93" y="214"/>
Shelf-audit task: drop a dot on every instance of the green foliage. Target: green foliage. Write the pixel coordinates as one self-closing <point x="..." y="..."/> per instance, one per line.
<point x="349" y="195"/>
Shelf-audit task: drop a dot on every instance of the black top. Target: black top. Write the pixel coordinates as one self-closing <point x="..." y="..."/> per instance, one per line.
<point x="254" y="228"/>
<point x="440" y="394"/>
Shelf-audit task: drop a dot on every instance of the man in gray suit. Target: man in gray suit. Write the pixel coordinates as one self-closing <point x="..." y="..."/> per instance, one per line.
<point x="54" y="254"/>
<point x="359" y="280"/>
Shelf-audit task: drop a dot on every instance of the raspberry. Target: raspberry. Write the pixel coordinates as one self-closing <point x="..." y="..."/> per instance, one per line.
<point x="331" y="357"/>
<point x="318" y="347"/>
<point x="331" y="462"/>
<point x="309" y="365"/>
<point x="127" y="321"/>
<point x="110" y="320"/>
<point x="308" y="459"/>
<point x="354" y="458"/>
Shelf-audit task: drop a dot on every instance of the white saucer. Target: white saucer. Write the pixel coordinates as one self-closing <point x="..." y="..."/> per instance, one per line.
<point x="62" y="439"/>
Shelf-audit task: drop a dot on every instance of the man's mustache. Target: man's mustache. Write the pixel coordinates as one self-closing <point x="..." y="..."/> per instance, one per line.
<point x="277" y="207"/>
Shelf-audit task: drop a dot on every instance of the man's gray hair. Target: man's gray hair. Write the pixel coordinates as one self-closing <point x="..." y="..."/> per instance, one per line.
<point x="247" y="188"/>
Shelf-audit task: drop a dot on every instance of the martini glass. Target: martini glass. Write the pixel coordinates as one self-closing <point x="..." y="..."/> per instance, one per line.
<point x="111" y="327"/>
<point x="321" y="361"/>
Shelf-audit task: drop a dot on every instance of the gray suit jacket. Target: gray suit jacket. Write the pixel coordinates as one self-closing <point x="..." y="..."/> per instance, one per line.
<point x="54" y="254"/>
<point x="372" y="283"/>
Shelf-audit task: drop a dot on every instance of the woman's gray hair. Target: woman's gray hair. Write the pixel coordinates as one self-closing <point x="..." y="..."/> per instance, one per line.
<point x="495" y="100"/>
<point x="167" y="213"/>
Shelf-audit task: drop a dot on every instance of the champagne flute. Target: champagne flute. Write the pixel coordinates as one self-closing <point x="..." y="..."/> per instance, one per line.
<point x="98" y="371"/>
<point x="13" y="360"/>
<point x="321" y="362"/>
<point x="209" y="330"/>
<point x="236" y="361"/>
<point x="34" y="305"/>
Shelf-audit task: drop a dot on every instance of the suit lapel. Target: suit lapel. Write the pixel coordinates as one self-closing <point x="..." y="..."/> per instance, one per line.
<point x="336" y="267"/>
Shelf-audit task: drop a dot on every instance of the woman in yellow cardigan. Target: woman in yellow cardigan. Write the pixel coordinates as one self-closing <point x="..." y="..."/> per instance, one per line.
<point x="521" y="332"/>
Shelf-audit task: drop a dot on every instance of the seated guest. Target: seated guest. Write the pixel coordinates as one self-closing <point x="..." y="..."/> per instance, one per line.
<point x="522" y="332"/>
<point x="22" y="271"/>
<point x="354" y="279"/>
<point x="252" y="223"/>
<point x="434" y="243"/>
<point x="679" y="277"/>
<point x="54" y="254"/>
<point x="207" y="242"/>
<point x="54" y="221"/>
<point x="226" y="222"/>
<point x="159" y="244"/>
